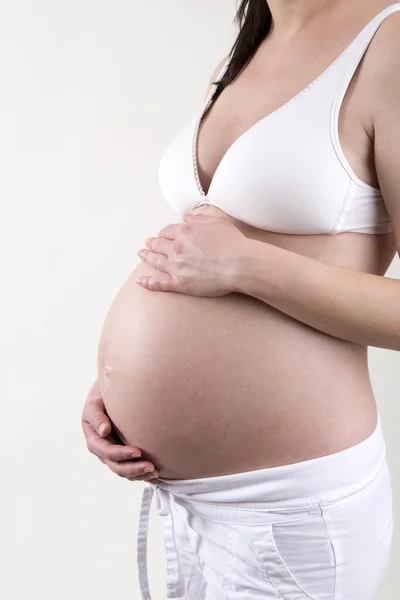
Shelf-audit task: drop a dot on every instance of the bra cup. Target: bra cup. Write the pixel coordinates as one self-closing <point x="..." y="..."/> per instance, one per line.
<point x="176" y="173"/>
<point x="287" y="173"/>
<point x="284" y="186"/>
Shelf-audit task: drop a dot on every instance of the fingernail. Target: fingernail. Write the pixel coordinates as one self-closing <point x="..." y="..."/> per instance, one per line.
<point x="148" y="470"/>
<point x="135" y="455"/>
<point x="102" y="428"/>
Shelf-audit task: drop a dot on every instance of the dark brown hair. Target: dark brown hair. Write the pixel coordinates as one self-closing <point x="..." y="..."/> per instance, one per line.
<point x="253" y="18"/>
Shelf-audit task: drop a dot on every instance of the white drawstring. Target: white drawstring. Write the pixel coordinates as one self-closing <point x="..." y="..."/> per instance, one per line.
<point x="163" y="508"/>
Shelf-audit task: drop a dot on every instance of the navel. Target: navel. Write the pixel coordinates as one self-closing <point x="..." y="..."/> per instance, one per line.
<point x="108" y="369"/>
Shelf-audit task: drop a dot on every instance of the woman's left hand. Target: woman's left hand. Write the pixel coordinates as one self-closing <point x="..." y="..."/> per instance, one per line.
<point x="199" y="257"/>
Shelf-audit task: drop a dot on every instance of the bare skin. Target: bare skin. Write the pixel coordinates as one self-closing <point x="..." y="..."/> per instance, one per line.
<point x="284" y="64"/>
<point x="102" y="441"/>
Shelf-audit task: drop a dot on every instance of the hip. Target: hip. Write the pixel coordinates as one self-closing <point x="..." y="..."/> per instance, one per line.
<point x="319" y="529"/>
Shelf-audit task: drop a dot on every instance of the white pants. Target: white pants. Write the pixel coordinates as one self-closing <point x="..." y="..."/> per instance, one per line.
<point x="319" y="529"/>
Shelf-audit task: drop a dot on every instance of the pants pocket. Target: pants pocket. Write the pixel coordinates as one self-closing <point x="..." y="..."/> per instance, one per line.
<point x="298" y="557"/>
<point x="361" y="531"/>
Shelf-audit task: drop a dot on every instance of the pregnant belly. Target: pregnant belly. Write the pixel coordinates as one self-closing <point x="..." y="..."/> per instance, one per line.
<point x="211" y="386"/>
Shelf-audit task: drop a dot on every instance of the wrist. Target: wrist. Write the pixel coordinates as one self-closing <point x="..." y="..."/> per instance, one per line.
<point x="244" y="266"/>
<point x="257" y="270"/>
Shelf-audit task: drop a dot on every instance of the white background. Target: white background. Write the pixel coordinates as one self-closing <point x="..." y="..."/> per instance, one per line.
<point x="91" y="92"/>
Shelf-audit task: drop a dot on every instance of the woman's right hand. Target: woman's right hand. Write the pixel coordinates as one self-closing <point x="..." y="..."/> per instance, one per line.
<point x="103" y="443"/>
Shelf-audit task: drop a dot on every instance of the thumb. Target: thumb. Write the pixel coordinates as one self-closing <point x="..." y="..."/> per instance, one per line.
<point x="97" y="417"/>
<point x="104" y="427"/>
<point x="95" y="414"/>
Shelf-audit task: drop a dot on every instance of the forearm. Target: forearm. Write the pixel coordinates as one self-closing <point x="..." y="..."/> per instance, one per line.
<point x="351" y="305"/>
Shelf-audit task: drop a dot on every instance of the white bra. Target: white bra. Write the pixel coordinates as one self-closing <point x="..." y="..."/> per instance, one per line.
<point x="287" y="173"/>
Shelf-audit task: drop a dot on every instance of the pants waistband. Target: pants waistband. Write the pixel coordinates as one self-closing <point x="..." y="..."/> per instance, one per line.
<point x="329" y="477"/>
<point x="342" y="472"/>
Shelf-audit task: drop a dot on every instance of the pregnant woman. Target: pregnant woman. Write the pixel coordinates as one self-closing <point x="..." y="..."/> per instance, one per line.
<point x="234" y="358"/>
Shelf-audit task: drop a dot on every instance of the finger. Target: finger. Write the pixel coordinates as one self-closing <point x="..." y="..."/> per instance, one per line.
<point x="131" y="468"/>
<point x="148" y="477"/>
<point x="95" y="400"/>
<point x="171" y="231"/>
<point x="106" y="448"/>
<point x="157" y="261"/>
<point x="157" y="285"/>
<point x="94" y="414"/>
<point x="160" y="245"/>
<point x="152" y="475"/>
<point x="189" y="217"/>
<point x="94" y="392"/>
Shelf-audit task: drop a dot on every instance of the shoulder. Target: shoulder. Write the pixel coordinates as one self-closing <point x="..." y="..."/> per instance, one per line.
<point x="379" y="76"/>
<point x="384" y="64"/>
<point x="388" y="31"/>
<point x="384" y="87"/>
<point x="215" y="74"/>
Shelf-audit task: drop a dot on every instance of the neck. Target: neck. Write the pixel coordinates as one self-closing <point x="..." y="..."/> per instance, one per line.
<point x="292" y="16"/>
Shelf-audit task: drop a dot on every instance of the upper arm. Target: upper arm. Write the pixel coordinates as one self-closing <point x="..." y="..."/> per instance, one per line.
<point x="386" y="121"/>
<point x="215" y="75"/>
